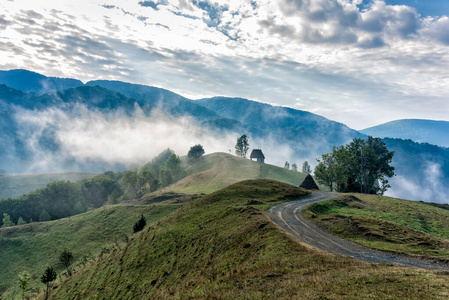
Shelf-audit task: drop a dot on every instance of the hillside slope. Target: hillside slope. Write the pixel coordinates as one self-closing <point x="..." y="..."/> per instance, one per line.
<point x="224" y="246"/>
<point x="218" y="170"/>
<point x="33" y="247"/>
<point x="421" y="131"/>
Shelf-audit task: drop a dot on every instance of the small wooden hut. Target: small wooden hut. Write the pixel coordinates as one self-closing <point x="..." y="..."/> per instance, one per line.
<point x="258" y="155"/>
<point x="309" y="183"/>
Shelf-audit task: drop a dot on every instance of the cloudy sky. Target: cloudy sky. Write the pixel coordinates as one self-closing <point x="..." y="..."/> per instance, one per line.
<point x="357" y="62"/>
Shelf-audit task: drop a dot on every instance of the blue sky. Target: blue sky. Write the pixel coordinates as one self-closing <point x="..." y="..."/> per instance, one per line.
<point x="359" y="63"/>
<point x="425" y="7"/>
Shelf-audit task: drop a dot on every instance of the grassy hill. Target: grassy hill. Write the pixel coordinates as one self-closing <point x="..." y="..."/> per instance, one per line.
<point x="33" y="247"/>
<point x="12" y="186"/>
<point x="224" y="246"/>
<point x="388" y="224"/>
<point x="218" y="170"/>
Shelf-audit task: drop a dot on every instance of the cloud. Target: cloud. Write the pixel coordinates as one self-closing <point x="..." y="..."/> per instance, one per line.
<point x="430" y="187"/>
<point x="61" y="139"/>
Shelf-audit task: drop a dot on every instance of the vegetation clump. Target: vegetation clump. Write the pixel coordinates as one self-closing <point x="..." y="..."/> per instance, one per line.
<point x="360" y="166"/>
<point x="140" y="225"/>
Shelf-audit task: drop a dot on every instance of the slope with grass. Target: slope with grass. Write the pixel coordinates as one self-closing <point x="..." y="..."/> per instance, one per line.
<point x="224" y="246"/>
<point x="218" y="170"/>
<point x="33" y="247"/>
<point x="12" y="186"/>
<point x="388" y="224"/>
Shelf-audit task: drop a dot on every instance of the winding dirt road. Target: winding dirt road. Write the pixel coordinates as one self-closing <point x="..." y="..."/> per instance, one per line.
<point x="288" y="217"/>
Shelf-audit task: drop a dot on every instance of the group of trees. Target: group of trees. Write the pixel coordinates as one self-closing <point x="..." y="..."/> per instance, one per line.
<point x="305" y="167"/>
<point x="64" y="198"/>
<point x="360" y="166"/>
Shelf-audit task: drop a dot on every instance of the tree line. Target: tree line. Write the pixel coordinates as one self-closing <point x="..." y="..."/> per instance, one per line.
<point x="65" y="198"/>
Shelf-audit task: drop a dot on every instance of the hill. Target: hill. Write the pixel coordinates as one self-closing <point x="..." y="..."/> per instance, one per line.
<point x="387" y="224"/>
<point x="33" y="247"/>
<point x="12" y="186"/>
<point x="218" y="170"/>
<point x="223" y="245"/>
<point x="28" y="81"/>
<point x="421" y="131"/>
<point x="305" y="132"/>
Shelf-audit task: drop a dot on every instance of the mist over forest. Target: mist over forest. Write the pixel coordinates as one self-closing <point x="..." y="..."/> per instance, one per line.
<point x="56" y="125"/>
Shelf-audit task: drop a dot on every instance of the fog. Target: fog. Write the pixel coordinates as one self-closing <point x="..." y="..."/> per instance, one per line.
<point x="77" y="138"/>
<point x="430" y="187"/>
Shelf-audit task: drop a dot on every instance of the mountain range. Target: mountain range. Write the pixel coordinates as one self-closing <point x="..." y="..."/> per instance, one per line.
<point x="418" y="130"/>
<point x="53" y="124"/>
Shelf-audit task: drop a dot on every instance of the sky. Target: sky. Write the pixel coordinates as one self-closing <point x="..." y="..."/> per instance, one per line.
<point x="357" y="62"/>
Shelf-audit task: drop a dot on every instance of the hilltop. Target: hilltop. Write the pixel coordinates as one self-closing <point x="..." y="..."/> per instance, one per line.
<point x="218" y="170"/>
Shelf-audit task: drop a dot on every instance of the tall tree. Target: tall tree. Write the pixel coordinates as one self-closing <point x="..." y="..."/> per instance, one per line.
<point x="306" y="167"/>
<point x="242" y="146"/>
<point x="287" y="165"/>
<point x="48" y="277"/>
<point x="195" y="152"/>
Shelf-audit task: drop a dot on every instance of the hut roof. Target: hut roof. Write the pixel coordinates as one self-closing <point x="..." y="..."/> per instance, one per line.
<point x="309" y="183"/>
<point x="257" y="153"/>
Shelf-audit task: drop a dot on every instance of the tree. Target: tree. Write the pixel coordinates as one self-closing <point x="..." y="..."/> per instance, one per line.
<point x="7" y="220"/>
<point x="48" y="277"/>
<point x="242" y="146"/>
<point x="140" y="224"/>
<point x="66" y="259"/>
<point x="294" y="167"/>
<point x="23" y="280"/>
<point x="21" y="221"/>
<point x="173" y="164"/>
<point x="306" y="167"/>
<point x="44" y="216"/>
<point x="287" y="165"/>
<point x="165" y="177"/>
<point x="325" y="170"/>
<point x="360" y="166"/>
<point x="195" y="153"/>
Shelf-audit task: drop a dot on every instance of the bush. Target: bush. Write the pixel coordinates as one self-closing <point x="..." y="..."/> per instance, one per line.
<point x="140" y="224"/>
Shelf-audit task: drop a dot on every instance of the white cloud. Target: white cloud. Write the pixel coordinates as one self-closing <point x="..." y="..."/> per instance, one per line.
<point x="360" y="67"/>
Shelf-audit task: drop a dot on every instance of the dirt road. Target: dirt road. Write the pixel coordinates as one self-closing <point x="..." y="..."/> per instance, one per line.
<point x="288" y="216"/>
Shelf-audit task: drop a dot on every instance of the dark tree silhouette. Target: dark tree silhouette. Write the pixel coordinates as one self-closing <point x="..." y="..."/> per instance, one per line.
<point x="66" y="259"/>
<point x="140" y="224"/>
<point x="48" y="277"/>
<point x="195" y="152"/>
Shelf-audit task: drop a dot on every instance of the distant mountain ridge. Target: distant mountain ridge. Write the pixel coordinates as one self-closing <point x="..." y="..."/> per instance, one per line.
<point x="28" y="81"/>
<point x="418" y="130"/>
<point x="284" y="134"/>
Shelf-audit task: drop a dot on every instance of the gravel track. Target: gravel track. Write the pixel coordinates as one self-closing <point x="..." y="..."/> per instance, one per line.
<point x="288" y="217"/>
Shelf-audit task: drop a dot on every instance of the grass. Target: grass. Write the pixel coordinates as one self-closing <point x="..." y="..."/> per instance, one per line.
<point x="218" y="170"/>
<point x="223" y="245"/>
<point x="12" y="186"/>
<point x="383" y="223"/>
<point x="33" y="247"/>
